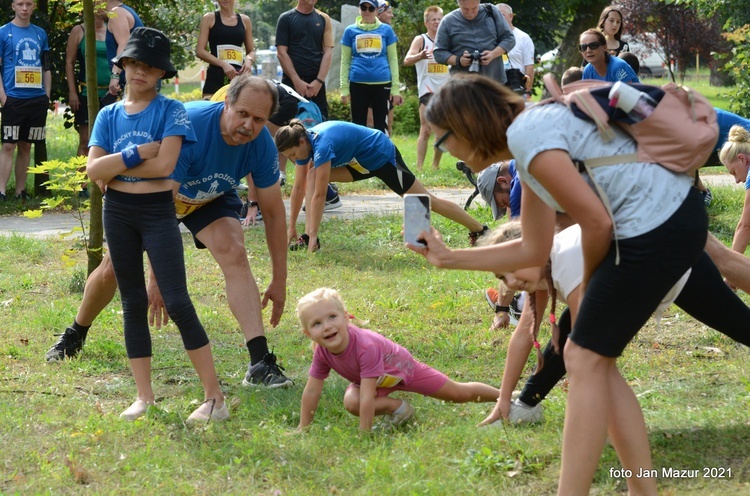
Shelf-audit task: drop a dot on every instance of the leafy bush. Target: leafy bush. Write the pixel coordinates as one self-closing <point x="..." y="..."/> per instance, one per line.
<point x="739" y="65"/>
<point x="337" y="111"/>
<point x="406" y="116"/>
<point x="189" y="96"/>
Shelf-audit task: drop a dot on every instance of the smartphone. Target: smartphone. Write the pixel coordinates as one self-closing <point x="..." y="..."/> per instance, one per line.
<point x="416" y="218"/>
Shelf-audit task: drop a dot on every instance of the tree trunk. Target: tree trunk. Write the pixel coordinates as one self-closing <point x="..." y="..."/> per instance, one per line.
<point x="584" y="19"/>
<point x="96" y="229"/>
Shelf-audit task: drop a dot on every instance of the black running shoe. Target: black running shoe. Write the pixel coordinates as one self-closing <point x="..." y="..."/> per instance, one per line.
<point x="303" y="242"/>
<point x="474" y="236"/>
<point x="266" y="373"/>
<point x="68" y="346"/>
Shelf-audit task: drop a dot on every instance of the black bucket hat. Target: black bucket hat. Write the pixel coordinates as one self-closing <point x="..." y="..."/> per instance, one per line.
<point x="150" y="46"/>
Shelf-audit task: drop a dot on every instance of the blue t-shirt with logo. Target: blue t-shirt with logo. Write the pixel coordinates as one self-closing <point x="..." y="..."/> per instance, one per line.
<point x="343" y="143"/>
<point x="115" y="129"/>
<point x="21" y="49"/>
<point x="369" y="53"/>
<point x="617" y="70"/>
<point x="211" y="167"/>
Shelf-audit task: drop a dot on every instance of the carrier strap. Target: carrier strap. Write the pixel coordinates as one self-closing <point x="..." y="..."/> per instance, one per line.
<point x="612" y="160"/>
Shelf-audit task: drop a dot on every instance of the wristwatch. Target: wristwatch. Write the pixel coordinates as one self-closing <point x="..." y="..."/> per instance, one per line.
<point x="252" y="203"/>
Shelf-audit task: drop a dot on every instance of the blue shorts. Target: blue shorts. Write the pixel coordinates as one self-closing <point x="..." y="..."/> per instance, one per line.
<point x="227" y="205"/>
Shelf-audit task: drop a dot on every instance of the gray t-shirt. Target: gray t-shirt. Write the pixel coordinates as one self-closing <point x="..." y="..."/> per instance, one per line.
<point x="642" y="196"/>
<point x="484" y="32"/>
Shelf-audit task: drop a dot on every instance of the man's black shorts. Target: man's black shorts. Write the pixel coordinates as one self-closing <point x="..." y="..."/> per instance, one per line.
<point x="24" y="119"/>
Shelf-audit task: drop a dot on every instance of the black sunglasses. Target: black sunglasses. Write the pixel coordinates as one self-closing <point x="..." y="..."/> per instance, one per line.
<point x="440" y="143"/>
<point x="593" y="45"/>
<point x="364" y="7"/>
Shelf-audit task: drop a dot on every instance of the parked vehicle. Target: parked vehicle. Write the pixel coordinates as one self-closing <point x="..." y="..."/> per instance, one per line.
<point x="652" y="59"/>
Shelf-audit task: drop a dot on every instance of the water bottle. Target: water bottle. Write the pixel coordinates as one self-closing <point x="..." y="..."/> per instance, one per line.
<point x="637" y="104"/>
<point x="474" y="67"/>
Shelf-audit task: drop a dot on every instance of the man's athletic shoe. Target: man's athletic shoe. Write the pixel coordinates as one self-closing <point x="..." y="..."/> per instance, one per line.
<point x="331" y="204"/>
<point x="302" y="243"/>
<point x="266" y="373"/>
<point x="521" y="413"/>
<point x="68" y="346"/>
<point x="474" y="236"/>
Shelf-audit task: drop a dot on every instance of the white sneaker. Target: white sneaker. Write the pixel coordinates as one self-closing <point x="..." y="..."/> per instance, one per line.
<point x="400" y="419"/>
<point x="521" y="413"/>
<point x="135" y="411"/>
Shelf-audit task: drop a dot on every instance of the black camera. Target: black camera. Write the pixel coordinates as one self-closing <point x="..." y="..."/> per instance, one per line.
<point x="475" y="58"/>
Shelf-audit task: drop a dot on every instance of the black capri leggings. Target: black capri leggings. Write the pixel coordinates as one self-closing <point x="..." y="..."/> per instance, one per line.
<point x="134" y="222"/>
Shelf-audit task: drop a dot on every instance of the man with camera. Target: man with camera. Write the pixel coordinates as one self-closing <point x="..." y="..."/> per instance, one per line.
<point x="521" y="58"/>
<point x="473" y="38"/>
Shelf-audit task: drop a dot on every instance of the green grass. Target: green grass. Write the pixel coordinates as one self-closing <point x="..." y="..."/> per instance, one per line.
<point x="55" y="417"/>
<point x="60" y="432"/>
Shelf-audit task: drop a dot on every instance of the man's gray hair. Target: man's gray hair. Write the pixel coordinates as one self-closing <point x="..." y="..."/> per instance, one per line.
<point x="505" y="8"/>
<point x="256" y="83"/>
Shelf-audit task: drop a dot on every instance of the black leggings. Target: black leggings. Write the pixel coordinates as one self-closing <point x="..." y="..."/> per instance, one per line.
<point x="363" y="96"/>
<point x="705" y="297"/>
<point x="134" y="222"/>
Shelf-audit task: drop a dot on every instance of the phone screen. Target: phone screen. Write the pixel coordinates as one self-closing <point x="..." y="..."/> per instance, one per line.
<point x="416" y="218"/>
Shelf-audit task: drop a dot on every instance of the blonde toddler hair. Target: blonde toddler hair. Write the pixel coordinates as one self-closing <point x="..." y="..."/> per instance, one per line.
<point x="318" y="296"/>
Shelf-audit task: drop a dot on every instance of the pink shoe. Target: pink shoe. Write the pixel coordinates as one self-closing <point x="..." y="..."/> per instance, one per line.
<point x="135" y="411"/>
<point x="207" y="412"/>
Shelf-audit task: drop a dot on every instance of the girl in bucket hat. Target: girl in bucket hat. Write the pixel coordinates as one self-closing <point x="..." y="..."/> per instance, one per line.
<point x="135" y="144"/>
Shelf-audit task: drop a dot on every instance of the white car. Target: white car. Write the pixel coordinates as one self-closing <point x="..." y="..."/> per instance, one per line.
<point x="652" y="59"/>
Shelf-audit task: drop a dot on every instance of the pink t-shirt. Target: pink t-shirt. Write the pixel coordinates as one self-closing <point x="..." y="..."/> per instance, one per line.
<point x="367" y="355"/>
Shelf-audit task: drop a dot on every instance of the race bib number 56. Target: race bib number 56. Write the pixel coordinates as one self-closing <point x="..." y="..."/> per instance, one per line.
<point x="28" y="77"/>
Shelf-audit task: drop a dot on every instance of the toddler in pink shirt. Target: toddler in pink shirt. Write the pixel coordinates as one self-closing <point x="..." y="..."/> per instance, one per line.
<point x="375" y="365"/>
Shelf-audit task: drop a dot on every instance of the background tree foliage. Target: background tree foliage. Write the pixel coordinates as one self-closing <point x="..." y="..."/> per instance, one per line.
<point x="681" y="31"/>
<point x="734" y="16"/>
<point x="179" y="19"/>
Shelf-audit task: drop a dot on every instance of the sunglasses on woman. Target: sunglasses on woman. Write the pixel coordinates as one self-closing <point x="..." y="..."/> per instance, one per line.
<point x="440" y="143"/>
<point x="593" y="45"/>
<point x="367" y="8"/>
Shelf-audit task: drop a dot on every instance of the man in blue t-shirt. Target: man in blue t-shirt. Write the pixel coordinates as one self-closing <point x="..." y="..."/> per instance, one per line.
<point x="500" y="188"/>
<point x="24" y="93"/>
<point x="233" y="142"/>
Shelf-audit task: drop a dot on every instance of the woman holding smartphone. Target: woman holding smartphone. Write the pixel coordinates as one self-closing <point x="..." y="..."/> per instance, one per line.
<point x="345" y="152"/>
<point x="641" y="242"/>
